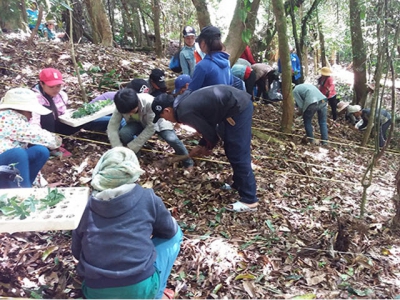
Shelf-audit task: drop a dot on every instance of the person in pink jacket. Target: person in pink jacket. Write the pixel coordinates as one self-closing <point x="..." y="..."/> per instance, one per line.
<point x="326" y="86"/>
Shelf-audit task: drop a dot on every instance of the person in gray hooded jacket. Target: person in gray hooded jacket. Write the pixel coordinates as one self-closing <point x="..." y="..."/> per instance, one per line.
<point x="127" y="241"/>
<point x="136" y="110"/>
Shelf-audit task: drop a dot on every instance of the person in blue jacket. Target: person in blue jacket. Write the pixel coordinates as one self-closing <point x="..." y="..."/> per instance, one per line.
<point x="296" y="66"/>
<point x="214" y="68"/>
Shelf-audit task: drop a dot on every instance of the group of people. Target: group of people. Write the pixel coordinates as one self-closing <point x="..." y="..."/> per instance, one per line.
<point x="122" y="218"/>
<point x="204" y="59"/>
<point x="46" y="29"/>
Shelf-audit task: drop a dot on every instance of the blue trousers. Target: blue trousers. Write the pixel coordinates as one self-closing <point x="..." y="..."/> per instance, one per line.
<point x="29" y="162"/>
<point x="132" y="129"/>
<point x="237" y="141"/>
<point x="167" y="252"/>
<point x="321" y="109"/>
<point x="152" y="287"/>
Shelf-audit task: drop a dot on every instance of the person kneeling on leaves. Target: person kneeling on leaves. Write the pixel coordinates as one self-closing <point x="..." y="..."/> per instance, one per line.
<point x="127" y="241"/>
<point x="22" y="145"/>
<point x="136" y="110"/>
<point x="224" y="107"/>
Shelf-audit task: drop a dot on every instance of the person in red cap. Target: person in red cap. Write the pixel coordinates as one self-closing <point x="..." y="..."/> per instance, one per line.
<point x="49" y="94"/>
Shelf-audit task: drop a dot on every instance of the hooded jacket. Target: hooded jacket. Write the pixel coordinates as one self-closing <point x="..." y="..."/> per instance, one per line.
<point x="146" y="116"/>
<point x="112" y="241"/>
<point x="213" y="69"/>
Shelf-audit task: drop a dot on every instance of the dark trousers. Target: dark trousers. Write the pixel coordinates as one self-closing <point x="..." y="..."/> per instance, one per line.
<point x="333" y="104"/>
<point x="382" y="133"/>
<point x="237" y="140"/>
<point x="249" y="83"/>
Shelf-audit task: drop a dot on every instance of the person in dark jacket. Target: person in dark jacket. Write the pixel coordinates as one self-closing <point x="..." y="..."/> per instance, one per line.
<point x="214" y="68"/>
<point x="228" y="108"/>
<point x="385" y="119"/>
<point x="127" y="241"/>
<point x="157" y="82"/>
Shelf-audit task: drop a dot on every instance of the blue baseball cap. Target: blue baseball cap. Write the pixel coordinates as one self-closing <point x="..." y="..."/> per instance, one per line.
<point x="180" y="82"/>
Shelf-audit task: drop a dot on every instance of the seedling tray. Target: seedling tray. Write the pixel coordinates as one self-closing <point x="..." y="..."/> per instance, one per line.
<point x="67" y="117"/>
<point x="65" y="215"/>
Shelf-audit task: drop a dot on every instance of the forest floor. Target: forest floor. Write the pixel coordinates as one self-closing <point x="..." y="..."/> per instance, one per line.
<point x="307" y="239"/>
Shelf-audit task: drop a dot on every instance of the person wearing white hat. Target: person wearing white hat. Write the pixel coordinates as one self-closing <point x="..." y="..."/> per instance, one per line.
<point x="327" y="87"/>
<point x="16" y="136"/>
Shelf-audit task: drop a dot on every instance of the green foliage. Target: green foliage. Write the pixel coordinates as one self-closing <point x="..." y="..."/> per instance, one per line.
<point x="110" y="79"/>
<point x="88" y="109"/>
<point x="22" y="209"/>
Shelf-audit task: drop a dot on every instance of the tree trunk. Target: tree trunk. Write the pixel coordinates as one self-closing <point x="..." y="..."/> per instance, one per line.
<point x="77" y="21"/>
<point x="238" y="29"/>
<point x="11" y="18"/>
<point x="322" y="45"/>
<point x="100" y="24"/>
<point x="359" y="53"/>
<point x="156" y="21"/>
<point x="128" y="16"/>
<point x="304" y="32"/>
<point x="203" y="15"/>
<point x="284" y="53"/>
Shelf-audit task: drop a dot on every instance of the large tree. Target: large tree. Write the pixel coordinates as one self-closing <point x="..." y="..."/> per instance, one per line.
<point x="157" y="14"/>
<point x="359" y="52"/>
<point x="203" y="15"/>
<point x="12" y="15"/>
<point x="288" y="103"/>
<point x="241" y="28"/>
<point x="101" y="28"/>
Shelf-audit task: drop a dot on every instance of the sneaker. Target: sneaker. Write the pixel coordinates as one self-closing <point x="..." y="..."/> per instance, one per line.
<point x="226" y="187"/>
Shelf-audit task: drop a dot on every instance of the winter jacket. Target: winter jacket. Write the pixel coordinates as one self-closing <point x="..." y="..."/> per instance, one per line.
<point x="213" y="69"/>
<point x="146" y="116"/>
<point x="204" y="109"/>
<point x="113" y="240"/>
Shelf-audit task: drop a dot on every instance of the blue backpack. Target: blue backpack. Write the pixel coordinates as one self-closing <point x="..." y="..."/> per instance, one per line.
<point x="175" y="64"/>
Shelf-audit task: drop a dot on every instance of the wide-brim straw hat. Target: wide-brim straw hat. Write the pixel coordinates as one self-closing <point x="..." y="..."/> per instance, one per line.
<point x="342" y="105"/>
<point x="371" y="86"/>
<point x="23" y="99"/>
<point x="326" y="71"/>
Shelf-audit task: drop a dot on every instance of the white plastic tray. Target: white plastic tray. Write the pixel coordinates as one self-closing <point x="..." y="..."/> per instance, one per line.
<point x="67" y="119"/>
<point x="66" y="215"/>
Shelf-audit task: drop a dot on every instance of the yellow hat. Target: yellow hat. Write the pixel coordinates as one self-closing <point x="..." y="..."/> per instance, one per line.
<point x="325" y="71"/>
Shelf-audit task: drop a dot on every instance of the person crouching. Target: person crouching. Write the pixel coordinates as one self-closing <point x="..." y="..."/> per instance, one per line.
<point x="127" y="241"/>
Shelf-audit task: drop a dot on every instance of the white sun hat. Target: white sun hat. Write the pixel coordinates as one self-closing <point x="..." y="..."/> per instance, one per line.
<point x="23" y="99"/>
